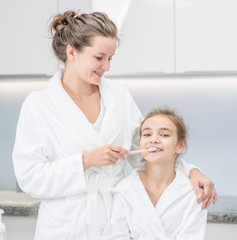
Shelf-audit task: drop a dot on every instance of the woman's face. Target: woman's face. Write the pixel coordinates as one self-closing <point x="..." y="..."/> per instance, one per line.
<point x="93" y="61"/>
<point x="160" y="132"/>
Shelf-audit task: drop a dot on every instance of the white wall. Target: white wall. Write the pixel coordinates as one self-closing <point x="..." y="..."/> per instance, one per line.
<point x="208" y="105"/>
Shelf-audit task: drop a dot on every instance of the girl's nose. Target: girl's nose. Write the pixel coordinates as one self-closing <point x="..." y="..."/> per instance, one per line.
<point x="154" y="139"/>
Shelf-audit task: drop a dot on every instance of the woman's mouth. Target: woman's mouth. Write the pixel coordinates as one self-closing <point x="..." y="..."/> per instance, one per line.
<point x="99" y="74"/>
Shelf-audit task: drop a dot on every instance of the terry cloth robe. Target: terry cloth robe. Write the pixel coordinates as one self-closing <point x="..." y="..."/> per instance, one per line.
<point x="176" y="216"/>
<point x="52" y="134"/>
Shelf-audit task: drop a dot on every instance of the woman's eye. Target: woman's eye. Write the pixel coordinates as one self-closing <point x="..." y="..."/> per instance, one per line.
<point x="146" y="135"/>
<point x="164" y="135"/>
<point x="99" y="58"/>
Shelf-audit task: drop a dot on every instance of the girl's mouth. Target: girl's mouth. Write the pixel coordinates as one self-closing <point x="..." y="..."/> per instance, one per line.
<point x="154" y="149"/>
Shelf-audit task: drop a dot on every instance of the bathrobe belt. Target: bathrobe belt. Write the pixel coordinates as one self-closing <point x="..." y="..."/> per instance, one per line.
<point x="99" y="196"/>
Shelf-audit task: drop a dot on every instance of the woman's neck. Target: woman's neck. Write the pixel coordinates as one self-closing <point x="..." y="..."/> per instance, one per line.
<point x="77" y="88"/>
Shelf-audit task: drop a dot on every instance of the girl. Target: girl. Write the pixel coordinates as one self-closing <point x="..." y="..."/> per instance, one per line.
<point x="158" y="203"/>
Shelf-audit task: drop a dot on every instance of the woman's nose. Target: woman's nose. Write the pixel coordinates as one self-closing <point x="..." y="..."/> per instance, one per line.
<point x="106" y="65"/>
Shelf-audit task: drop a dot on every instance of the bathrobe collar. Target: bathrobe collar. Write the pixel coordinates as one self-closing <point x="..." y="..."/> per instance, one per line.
<point x="68" y="110"/>
<point x="134" y="193"/>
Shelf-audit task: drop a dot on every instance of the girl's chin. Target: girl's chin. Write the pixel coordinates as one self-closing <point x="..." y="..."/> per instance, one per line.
<point x="153" y="160"/>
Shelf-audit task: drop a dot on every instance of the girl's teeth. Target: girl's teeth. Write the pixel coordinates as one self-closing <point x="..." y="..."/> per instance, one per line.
<point x="152" y="149"/>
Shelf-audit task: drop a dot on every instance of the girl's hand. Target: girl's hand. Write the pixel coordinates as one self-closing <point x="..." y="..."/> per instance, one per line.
<point x="104" y="156"/>
<point x="209" y="193"/>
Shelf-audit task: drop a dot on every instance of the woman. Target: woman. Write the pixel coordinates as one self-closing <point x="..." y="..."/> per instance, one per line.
<point x="72" y="137"/>
<point x="158" y="203"/>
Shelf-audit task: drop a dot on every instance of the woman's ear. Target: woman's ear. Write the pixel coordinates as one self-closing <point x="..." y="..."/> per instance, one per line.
<point x="70" y="52"/>
<point x="181" y="146"/>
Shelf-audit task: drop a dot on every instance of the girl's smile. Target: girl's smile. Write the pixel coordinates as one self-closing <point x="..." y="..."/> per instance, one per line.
<point x="160" y="132"/>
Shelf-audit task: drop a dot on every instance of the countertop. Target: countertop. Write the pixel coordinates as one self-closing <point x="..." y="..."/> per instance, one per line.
<point x="224" y="211"/>
<point x="19" y="204"/>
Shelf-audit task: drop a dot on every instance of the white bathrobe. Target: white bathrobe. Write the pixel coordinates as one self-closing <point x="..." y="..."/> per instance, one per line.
<point x="52" y="134"/>
<point x="176" y="216"/>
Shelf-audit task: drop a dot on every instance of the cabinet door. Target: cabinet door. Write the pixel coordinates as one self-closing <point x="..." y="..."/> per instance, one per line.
<point x="206" y="35"/>
<point x="25" y="46"/>
<point x="75" y="5"/>
<point x="147" y="38"/>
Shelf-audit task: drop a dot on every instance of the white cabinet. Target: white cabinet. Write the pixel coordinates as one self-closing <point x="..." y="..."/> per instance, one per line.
<point x="75" y="5"/>
<point x="157" y="36"/>
<point x="206" y="35"/>
<point x="25" y="46"/>
<point x="147" y="38"/>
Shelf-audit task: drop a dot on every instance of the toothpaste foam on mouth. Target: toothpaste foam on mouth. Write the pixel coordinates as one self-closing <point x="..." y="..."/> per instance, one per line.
<point x="152" y="149"/>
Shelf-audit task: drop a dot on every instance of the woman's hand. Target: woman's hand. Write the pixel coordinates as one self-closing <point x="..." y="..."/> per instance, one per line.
<point x="198" y="181"/>
<point x="103" y="156"/>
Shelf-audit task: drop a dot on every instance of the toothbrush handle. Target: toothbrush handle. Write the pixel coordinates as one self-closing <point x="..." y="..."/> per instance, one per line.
<point x="136" y="151"/>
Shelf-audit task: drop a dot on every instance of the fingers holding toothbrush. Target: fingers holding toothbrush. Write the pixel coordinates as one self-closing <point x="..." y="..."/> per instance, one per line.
<point x="104" y="156"/>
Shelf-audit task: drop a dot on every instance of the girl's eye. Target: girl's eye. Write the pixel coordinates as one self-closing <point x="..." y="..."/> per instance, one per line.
<point x="164" y="135"/>
<point x="146" y="135"/>
<point x="99" y="58"/>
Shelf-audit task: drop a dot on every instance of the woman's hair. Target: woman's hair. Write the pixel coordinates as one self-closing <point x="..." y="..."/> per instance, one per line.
<point x="78" y="30"/>
<point x="182" y="130"/>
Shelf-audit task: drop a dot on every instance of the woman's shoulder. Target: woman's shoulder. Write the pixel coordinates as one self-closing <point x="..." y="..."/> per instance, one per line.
<point x="35" y="97"/>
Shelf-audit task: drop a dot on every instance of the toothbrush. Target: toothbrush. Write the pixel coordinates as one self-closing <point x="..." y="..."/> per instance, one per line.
<point x="151" y="149"/>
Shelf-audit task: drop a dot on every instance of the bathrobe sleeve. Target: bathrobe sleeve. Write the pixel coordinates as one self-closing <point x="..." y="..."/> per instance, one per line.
<point x="134" y="119"/>
<point x="195" y="226"/>
<point x="183" y="166"/>
<point x="36" y="174"/>
<point x="120" y="228"/>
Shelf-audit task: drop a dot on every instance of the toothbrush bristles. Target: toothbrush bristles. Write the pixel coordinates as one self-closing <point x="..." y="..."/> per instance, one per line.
<point x="151" y="149"/>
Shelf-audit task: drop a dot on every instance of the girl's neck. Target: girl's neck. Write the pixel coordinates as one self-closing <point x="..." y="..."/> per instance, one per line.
<point x="159" y="176"/>
<point x="156" y="179"/>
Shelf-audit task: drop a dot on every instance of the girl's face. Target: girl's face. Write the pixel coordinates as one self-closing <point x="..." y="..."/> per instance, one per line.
<point x="93" y="61"/>
<point x="160" y="132"/>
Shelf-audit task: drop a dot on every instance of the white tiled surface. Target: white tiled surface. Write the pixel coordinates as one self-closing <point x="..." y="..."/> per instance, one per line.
<point x="23" y="228"/>
<point x="221" y="231"/>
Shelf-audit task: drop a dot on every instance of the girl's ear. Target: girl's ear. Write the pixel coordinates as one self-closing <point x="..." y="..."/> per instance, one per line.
<point x="181" y="146"/>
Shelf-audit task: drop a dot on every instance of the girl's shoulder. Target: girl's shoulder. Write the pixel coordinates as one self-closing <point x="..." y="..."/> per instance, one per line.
<point x="126" y="184"/>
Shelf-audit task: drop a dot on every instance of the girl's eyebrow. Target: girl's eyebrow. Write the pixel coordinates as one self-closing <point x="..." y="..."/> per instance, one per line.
<point x="144" y="129"/>
<point x="166" y="129"/>
<point x="161" y="129"/>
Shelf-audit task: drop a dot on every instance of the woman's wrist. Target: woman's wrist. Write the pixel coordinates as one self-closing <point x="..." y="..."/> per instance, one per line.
<point x="85" y="161"/>
<point x="193" y="171"/>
